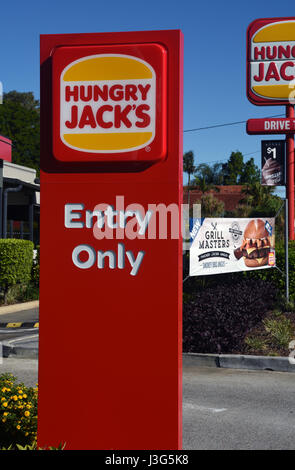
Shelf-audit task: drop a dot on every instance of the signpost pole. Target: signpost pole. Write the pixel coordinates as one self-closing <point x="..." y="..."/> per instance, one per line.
<point x="286" y="250"/>
<point x="290" y="173"/>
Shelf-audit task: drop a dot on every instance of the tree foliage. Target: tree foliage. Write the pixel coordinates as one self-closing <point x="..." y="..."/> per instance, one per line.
<point x="19" y="121"/>
<point x="234" y="171"/>
<point x="211" y="206"/>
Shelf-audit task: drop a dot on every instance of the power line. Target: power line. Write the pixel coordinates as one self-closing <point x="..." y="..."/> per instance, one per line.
<point x="225" y="124"/>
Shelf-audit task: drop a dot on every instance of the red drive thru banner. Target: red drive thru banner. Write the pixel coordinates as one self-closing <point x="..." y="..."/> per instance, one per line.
<point x="271" y="126"/>
<point x="110" y="374"/>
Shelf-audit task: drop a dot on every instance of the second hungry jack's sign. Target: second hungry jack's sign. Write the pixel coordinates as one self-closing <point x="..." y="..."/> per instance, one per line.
<point x="271" y="61"/>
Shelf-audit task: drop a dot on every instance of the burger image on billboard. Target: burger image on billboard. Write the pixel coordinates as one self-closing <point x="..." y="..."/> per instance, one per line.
<point x="256" y="246"/>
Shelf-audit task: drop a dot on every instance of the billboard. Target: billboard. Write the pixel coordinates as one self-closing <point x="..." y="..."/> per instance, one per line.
<point x="270" y="61"/>
<point x="272" y="162"/>
<point x="230" y="245"/>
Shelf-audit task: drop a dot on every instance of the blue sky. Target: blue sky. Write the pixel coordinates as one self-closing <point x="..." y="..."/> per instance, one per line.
<point x="214" y="56"/>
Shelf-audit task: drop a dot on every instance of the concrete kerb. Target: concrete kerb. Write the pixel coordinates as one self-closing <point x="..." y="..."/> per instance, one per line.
<point x="19" y="307"/>
<point x="228" y="361"/>
<point x="236" y="361"/>
<point x="19" y="352"/>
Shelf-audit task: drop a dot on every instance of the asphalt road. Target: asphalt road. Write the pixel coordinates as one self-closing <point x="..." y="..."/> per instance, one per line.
<point x="227" y="409"/>
<point x="20" y="337"/>
<point x="223" y="409"/>
<point x="30" y="315"/>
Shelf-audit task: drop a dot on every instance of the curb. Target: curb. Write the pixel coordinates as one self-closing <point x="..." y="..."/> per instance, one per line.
<point x="19" y="307"/>
<point x="236" y="361"/>
<point x="19" y="352"/>
<point x="20" y="325"/>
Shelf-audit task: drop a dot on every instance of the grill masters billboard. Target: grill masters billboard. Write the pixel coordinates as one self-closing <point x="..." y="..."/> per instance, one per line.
<point x="230" y="245"/>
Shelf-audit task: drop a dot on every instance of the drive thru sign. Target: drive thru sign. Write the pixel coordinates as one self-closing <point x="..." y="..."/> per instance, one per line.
<point x="111" y="278"/>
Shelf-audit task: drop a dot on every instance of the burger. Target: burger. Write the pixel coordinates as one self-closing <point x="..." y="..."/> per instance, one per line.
<point x="256" y="245"/>
<point x="271" y="172"/>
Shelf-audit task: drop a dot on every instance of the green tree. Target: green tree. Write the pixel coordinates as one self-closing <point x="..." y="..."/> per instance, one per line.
<point x="202" y="185"/>
<point x="19" y="121"/>
<point x="234" y="171"/>
<point x="256" y="195"/>
<point x="211" y="174"/>
<point x="250" y="172"/>
<point x="233" y="168"/>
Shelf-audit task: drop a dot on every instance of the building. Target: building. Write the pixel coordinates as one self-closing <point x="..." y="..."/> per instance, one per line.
<point x="20" y="197"/>
<point x="230" y="195"/>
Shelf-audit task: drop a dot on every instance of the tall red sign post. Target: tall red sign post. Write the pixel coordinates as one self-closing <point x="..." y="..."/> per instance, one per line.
<point x="110" y="374"/>
<point x="270" y="81"/>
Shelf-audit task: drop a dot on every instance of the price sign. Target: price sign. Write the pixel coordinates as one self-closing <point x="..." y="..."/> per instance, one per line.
<point x="273" y="162"/>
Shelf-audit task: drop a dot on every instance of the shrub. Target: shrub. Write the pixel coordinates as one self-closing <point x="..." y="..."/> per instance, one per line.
<point x="217" y="319"/>
<point x="281" y="331"/>
<point x="18" y="412"/>
<point x="16" y="260"/>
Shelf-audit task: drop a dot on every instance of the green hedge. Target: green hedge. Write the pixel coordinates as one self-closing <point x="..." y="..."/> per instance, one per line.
<point x="16" y="261"/>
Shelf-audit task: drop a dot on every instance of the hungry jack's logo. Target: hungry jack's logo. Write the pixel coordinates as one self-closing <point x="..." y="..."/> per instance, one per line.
<point x="107" y="104"/>
<point x="110" y="105"/>
<point x="271" y="60"/>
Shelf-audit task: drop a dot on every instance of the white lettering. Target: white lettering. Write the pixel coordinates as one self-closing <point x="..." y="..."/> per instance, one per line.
<point x="70" y="216"/>
<point x="114" y="259"/>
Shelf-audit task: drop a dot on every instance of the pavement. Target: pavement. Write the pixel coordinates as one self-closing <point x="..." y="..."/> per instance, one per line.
<point x="25" y="318"/>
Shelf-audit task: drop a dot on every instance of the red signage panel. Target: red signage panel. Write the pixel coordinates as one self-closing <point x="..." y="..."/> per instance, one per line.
<point x="271" y="126"/>
<point x="5" y="148"/>
<point x="110" y="350"/>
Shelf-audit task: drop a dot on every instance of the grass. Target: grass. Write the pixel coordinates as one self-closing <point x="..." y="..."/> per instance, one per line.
<point x="273" y="335"/>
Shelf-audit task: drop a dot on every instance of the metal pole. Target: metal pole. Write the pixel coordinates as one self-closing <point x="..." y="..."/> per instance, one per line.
<point x="1" y="194"/>
<point x="287" y="248"/>
<point x="290" y="173"/>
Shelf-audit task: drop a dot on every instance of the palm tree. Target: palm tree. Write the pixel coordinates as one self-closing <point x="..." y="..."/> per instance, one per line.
<point x="256" y="194"/>
<point x="188" y="164"/>
<point x="189" y="168"/>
